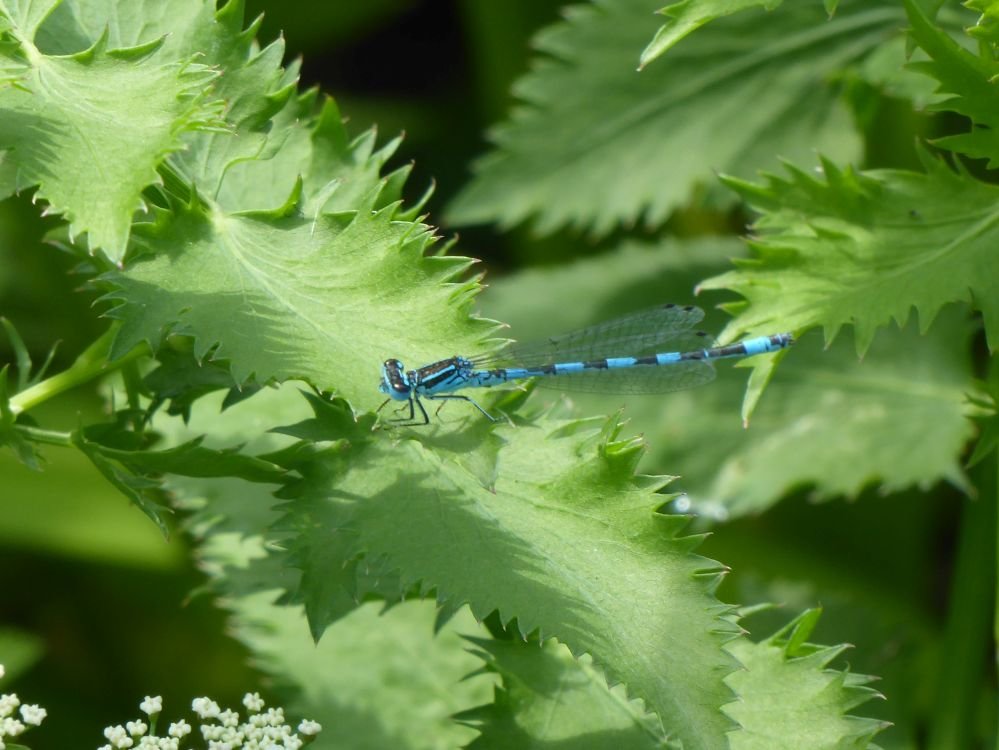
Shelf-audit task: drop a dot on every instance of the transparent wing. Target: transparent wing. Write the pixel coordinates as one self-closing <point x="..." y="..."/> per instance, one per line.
<point x="658" y="329"/>
<point x="633" y="380"/>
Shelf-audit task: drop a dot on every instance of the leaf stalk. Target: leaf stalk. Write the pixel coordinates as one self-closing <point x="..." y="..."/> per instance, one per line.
<point x="92" y="363"/>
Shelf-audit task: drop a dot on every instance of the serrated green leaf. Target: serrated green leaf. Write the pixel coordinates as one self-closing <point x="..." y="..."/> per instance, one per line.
<point x="834" y="423"/>
<point x="104" y="117"/>
<point x="550" y="699"/>
<point x="181" y="379"/>
<point x="886" y="70"/>
<point x="324" y="300"/>
<point x="790" y="699"/>
<point x="987" y="27"/>
<point x="254" y="86"/>
<point x="337" y="173"/>
<point x="689" y="15"/>
<point x="284" y="188"/>
<point x="146" y="493"/>
<point x="830" y="421"/>
<point x="138" y="473"/>
<point x="970" y="78"/>
<point x="272" y="136"/>
<point x="864" y="248"/>
<point x="381" y="679"/>
<point x="192" y="459"/>
<point x="538" y="546"/>
<point x="75" y="25"/>
<point x="597" y="144"/>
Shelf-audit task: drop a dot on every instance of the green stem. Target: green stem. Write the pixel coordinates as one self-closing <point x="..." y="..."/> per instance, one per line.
<point x="49" y="437"/>
<point x="970" y="617"/>
<point x="91" y="364"/>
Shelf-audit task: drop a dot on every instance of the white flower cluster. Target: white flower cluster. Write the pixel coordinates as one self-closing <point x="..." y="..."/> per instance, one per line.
<point x="222" y="730"/>
<point x="10" y="725"/>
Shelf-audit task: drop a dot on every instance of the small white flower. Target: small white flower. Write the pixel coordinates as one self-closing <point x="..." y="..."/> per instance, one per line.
<point x="1" y="670"/>
<point x="151" y="705"/>
<point x="253" y="702"/>
<point x="11" y="727"/>
<point x="136" y="728"/>
<point x="211" y="732"/>
<point x="229" y="718"/>
<point x="33" y="715"/>
<point x="205" y="708"/>
<point x="292" y="743"/>
<point x="309" y="727"/>
<point x="179" y="729"/>
<point x="118" y="737"/>
<point x="8" y="704"/>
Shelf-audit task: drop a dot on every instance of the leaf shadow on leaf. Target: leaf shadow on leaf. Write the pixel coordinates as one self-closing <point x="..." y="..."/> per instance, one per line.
<point x="447" y="523"/>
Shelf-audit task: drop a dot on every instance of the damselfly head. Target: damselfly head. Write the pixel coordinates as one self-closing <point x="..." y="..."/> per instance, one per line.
<point x="394" y="383"/>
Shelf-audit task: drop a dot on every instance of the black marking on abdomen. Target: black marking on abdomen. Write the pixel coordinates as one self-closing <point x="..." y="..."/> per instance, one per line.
<point x="439" y="372"/>
<point x="596" y="364"/>
<point x="650" y="360"/>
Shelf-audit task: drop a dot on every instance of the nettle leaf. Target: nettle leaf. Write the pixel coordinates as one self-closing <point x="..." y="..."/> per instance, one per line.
<point x="254" y="87"/>
<point x="182" y="379"/>
<point x="146" y="493"/>
<point x="322" y="299"/>
<point x="361" y="682"/>
<point x="107" y="117"/>
<point x="969" y="77"/>
<point x="537" y="546"/>
<point x="548" y="698"/>
<point x="788" y="698"/>
<point x="139" y="473"/>
<point x="74" y="25"/>
<point x="864" y="248"/>
<point x="272" y="138"/>
<point x="987" y="27"/>
<point x="337" y="173"/>
<point x="689" y="15"/>
<point x="630" y="146"/>
<point x="831" y="422"/>
<point x="282" y="250"/>
<point x="380" y="679"/>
